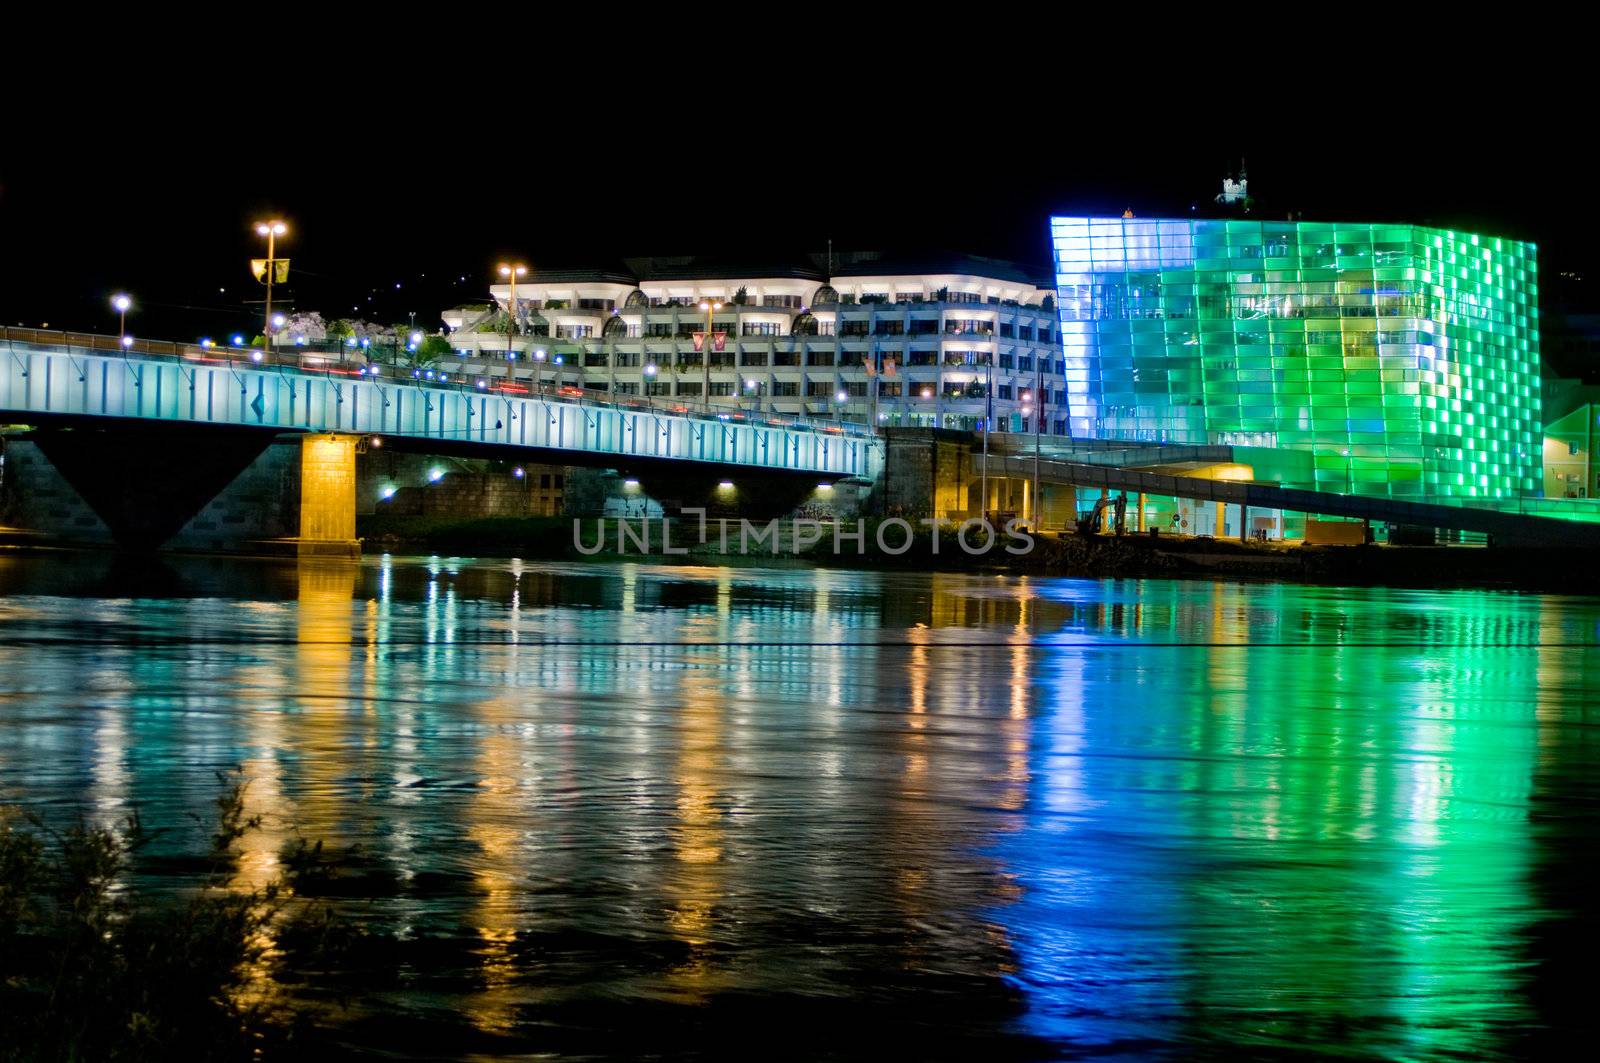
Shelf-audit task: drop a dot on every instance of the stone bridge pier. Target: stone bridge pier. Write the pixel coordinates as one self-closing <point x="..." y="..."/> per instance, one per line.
<point x="148" y="487"/>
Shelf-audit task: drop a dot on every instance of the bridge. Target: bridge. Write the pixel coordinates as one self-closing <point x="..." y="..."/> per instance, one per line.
<point x="79" y="380"/>
<point x="1114" y="469"/>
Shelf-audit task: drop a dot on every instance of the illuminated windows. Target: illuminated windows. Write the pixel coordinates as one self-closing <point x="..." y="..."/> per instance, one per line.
<point x="1399" y="356"/>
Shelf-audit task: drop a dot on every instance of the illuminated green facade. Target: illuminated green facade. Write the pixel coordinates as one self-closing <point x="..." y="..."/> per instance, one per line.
<point x="1406" y="359"/>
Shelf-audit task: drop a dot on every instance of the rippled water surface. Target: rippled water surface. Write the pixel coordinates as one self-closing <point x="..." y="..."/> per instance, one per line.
<point x="622" y="810"/>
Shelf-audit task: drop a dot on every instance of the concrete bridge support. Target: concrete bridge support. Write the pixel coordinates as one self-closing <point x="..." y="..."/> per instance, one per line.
<point x="143" y="488"/>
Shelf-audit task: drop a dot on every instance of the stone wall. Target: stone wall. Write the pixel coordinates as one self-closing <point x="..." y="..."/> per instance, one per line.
<point x="35" y="497"/>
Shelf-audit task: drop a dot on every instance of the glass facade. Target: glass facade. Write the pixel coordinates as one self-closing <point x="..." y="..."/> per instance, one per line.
<point x="1404" y="358"/>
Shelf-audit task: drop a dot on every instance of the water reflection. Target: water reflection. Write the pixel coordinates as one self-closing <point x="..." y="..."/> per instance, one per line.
<point x="1138" y="816"/>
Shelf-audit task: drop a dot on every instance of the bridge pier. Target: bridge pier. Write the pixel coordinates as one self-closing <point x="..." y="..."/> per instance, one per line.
<point x="145" y="488"/>
<point x="327" y="497"/>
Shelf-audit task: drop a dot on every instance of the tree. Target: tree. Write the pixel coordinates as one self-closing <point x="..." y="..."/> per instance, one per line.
<point x="430" y="351"/>
<point x="340" y="330"/>
<point x="305" y="326"/>
<point x="741" y="297"/>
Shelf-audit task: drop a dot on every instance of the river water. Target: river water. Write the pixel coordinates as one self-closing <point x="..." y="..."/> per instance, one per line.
<point x="619" y="810"/>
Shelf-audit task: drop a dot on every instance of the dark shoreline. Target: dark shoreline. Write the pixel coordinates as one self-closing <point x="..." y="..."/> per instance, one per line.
<point x="1544" y="570"/>
<point x="1558" y="570"/>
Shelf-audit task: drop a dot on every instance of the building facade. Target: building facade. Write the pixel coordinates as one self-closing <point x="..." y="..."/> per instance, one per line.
<point x="1404" y="359"/>
<point x="863" y="338"/>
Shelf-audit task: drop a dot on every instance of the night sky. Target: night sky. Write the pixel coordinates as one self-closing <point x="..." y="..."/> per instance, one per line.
<point x="387" y="219"/>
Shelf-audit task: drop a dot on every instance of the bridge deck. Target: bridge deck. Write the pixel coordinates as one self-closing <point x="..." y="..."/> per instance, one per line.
<point x="1506" y="527"/>
<point x="173" y="383"/>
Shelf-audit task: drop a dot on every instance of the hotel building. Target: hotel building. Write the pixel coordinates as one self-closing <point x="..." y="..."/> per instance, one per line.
<point x="934" y="342"/>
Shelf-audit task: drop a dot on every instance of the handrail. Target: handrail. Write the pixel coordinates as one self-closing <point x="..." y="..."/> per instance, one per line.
<point x="236" y="357"/>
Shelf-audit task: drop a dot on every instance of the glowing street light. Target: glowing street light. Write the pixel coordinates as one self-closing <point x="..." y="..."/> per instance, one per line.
<point x="650" y="371"/>
<point x="512" y="272"/>
<point x="271" y="230"/>
<point x="121" y="303"/>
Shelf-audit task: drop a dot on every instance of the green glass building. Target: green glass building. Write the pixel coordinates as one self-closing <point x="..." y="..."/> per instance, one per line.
<point x="1404" y="359"/>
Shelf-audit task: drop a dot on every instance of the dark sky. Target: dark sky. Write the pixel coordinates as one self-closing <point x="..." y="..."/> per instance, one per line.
<point x="429" y="192"/>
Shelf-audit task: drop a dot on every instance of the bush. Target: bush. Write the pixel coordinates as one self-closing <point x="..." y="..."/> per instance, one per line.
<point x="92" y="967"/>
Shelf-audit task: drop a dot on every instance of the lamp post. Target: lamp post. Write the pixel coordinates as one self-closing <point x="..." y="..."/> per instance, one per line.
<point x="538" y="371"/>
<point x="841" y="397"/>
<point x="649" y="378"/>
<point x="121" y="302"/>
<point x="753" y="389"/>
<point x="710" y="308"/>
<point x="512" y="272"/>
<point x="271" y="230"/>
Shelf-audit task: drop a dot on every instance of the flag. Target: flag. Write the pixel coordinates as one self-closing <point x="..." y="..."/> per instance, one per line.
<point x="869" y="365"/>
<point x="699" y="340"/>
<point x="280" y="269"/>
<point x="719" y="340"/>
<point x="889" y="367"/>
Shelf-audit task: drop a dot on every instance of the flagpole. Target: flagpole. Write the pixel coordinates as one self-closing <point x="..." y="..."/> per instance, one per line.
<point x="988" y="409"/>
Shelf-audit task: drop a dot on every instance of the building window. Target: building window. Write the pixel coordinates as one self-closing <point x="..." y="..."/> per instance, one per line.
<point x="816" y="357"/>
<point x="785" y="389"/>
<point x="790" y="302"/>
<point x="785" y="357"/>
<point x="597" y="304"/>
<point x="960" y="327"/>
<point x="627" y="387"/>
<point x="889" y="328"/>
<point x="819" y="389"/>
<point x="721" y="388"/>
<point x="658" y="387"/>
<point x="760" y="328"/>
<point x="922" y="326"/>
<point x="1003" y="391"/>
<point x="689" y="387"/>
<point x="753" y="358"/>
<point x="574" y="332"/>
<point x="1007" y="330"/>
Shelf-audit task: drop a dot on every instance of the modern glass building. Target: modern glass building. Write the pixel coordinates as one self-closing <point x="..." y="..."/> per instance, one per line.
<point x="1404" y="358"/>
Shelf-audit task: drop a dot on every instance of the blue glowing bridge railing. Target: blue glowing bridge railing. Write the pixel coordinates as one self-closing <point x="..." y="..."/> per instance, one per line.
<point x="204" y="386"/>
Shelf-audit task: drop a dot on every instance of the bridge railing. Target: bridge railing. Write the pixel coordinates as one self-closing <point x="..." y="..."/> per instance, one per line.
<point x="294" y="359"/>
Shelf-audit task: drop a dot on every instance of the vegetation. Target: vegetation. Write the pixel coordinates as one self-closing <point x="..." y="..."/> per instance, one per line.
<point x="96" y="966"/>
<point x="431" y="351"/>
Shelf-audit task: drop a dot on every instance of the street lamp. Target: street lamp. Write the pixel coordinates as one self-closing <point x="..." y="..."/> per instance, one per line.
<point x="538" y="371"/>
<point x="271" y="230"/>
<point x="710" y="308"/>
<point x="121" y="303"/>
<point x="650" y="371"/>
<point x="512" y="272"/>
<point x="841" y="397"/>
<point x="753" y="389"/>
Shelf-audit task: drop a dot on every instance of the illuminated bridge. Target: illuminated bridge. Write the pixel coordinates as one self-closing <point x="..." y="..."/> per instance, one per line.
<point x="219" y="403"/>
<point x="55" y="376"/>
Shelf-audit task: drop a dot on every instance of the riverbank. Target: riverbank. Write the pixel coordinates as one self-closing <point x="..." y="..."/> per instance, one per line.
<point x="1544" y="569"/>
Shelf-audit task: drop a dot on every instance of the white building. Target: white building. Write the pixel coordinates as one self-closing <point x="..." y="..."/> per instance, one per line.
<point x="793" y="340"/>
